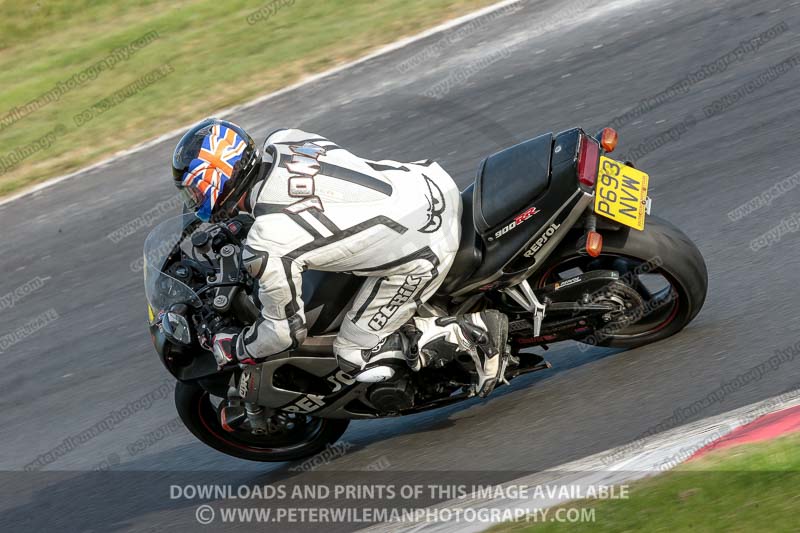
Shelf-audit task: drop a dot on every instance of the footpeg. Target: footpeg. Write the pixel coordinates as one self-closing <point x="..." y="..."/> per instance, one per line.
<point x="538" y="319"/>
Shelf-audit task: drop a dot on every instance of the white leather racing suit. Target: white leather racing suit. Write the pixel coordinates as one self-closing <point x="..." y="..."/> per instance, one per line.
<point x="321" y="207"/>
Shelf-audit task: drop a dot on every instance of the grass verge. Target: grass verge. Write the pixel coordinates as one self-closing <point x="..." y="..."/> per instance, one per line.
<point x="86" y="78"/>
<point x="752" y="487"/>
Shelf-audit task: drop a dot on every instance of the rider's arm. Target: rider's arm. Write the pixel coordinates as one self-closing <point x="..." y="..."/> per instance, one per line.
<point x="281" y="325"/>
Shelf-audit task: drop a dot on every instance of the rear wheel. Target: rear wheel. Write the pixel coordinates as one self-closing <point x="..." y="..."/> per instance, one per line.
<point x="291" y="436"/>
<point x="663" y="282"/>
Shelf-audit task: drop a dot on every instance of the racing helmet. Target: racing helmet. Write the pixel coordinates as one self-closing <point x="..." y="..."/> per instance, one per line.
<point x="214" y="164"/>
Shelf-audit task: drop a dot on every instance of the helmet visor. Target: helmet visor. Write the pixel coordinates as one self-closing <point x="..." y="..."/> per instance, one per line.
<point x="192" y="197"/>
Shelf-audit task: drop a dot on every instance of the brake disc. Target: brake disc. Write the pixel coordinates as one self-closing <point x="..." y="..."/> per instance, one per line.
<point x="284" y="423"/>
<point x="625" y="300"/>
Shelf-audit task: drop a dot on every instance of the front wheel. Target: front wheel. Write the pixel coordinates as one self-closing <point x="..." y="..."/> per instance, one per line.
<point x="663" y="282"/>
<point x="295" y="436"/>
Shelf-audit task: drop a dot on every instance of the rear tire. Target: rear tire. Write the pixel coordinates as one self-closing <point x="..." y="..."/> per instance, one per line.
<point x="200" y="416"/>
<point x="680" y="262"/>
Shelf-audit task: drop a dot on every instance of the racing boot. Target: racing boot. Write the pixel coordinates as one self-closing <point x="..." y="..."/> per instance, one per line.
<point x="482" y="335"/>
<point x="374" y="365"/>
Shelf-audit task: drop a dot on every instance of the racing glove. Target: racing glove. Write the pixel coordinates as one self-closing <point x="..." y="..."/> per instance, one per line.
<point x="224" y="348"/>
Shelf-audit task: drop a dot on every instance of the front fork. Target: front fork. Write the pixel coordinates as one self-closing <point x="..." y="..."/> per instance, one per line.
<point x="235" y="410"/>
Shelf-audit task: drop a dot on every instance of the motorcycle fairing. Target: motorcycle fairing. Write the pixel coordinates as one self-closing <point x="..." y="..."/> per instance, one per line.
<point x="554" y="199"/>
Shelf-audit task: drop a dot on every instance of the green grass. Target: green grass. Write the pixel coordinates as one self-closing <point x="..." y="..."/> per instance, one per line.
<point x="218" y="60"/>
<point x="753" y="487"/>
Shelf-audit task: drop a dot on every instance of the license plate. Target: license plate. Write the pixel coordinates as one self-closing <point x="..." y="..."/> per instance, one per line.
<point x="621" y="193"/>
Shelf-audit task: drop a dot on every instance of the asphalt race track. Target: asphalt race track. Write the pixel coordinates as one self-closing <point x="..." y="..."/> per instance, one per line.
<point x="544" y="68"/>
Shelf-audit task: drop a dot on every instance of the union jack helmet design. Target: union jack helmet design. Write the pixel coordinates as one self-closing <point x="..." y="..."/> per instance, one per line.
<point x="213" y="165"/>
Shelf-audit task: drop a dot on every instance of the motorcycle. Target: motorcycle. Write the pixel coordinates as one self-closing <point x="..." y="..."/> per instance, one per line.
<point x="555" y="234"/>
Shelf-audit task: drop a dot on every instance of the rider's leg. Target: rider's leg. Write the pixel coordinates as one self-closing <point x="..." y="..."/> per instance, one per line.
<point x="367" y="338"/>
<point x="369" y="343"/>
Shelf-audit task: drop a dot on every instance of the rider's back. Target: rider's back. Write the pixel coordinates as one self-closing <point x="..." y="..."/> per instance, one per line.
<point x="329" y="209"/>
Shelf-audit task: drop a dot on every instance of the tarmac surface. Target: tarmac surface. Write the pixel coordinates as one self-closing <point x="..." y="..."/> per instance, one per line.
<point x="545" y="67"/>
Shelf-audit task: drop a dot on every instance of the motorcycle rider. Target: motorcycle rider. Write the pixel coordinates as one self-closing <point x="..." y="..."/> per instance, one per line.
<point x="318" y="206"/>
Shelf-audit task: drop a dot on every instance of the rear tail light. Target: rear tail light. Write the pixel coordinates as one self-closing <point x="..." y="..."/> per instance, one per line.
<point x="588" y="157"/>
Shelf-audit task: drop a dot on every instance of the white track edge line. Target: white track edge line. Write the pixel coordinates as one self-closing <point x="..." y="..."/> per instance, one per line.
<point x="596" y="470"/>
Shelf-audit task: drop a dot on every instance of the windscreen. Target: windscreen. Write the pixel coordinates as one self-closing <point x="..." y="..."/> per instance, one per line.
<point x="161" y="289"/>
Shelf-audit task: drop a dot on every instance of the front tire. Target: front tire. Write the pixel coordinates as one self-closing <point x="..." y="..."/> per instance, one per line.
<point x="201" y="417"/>
<point x="679" y="262"/>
